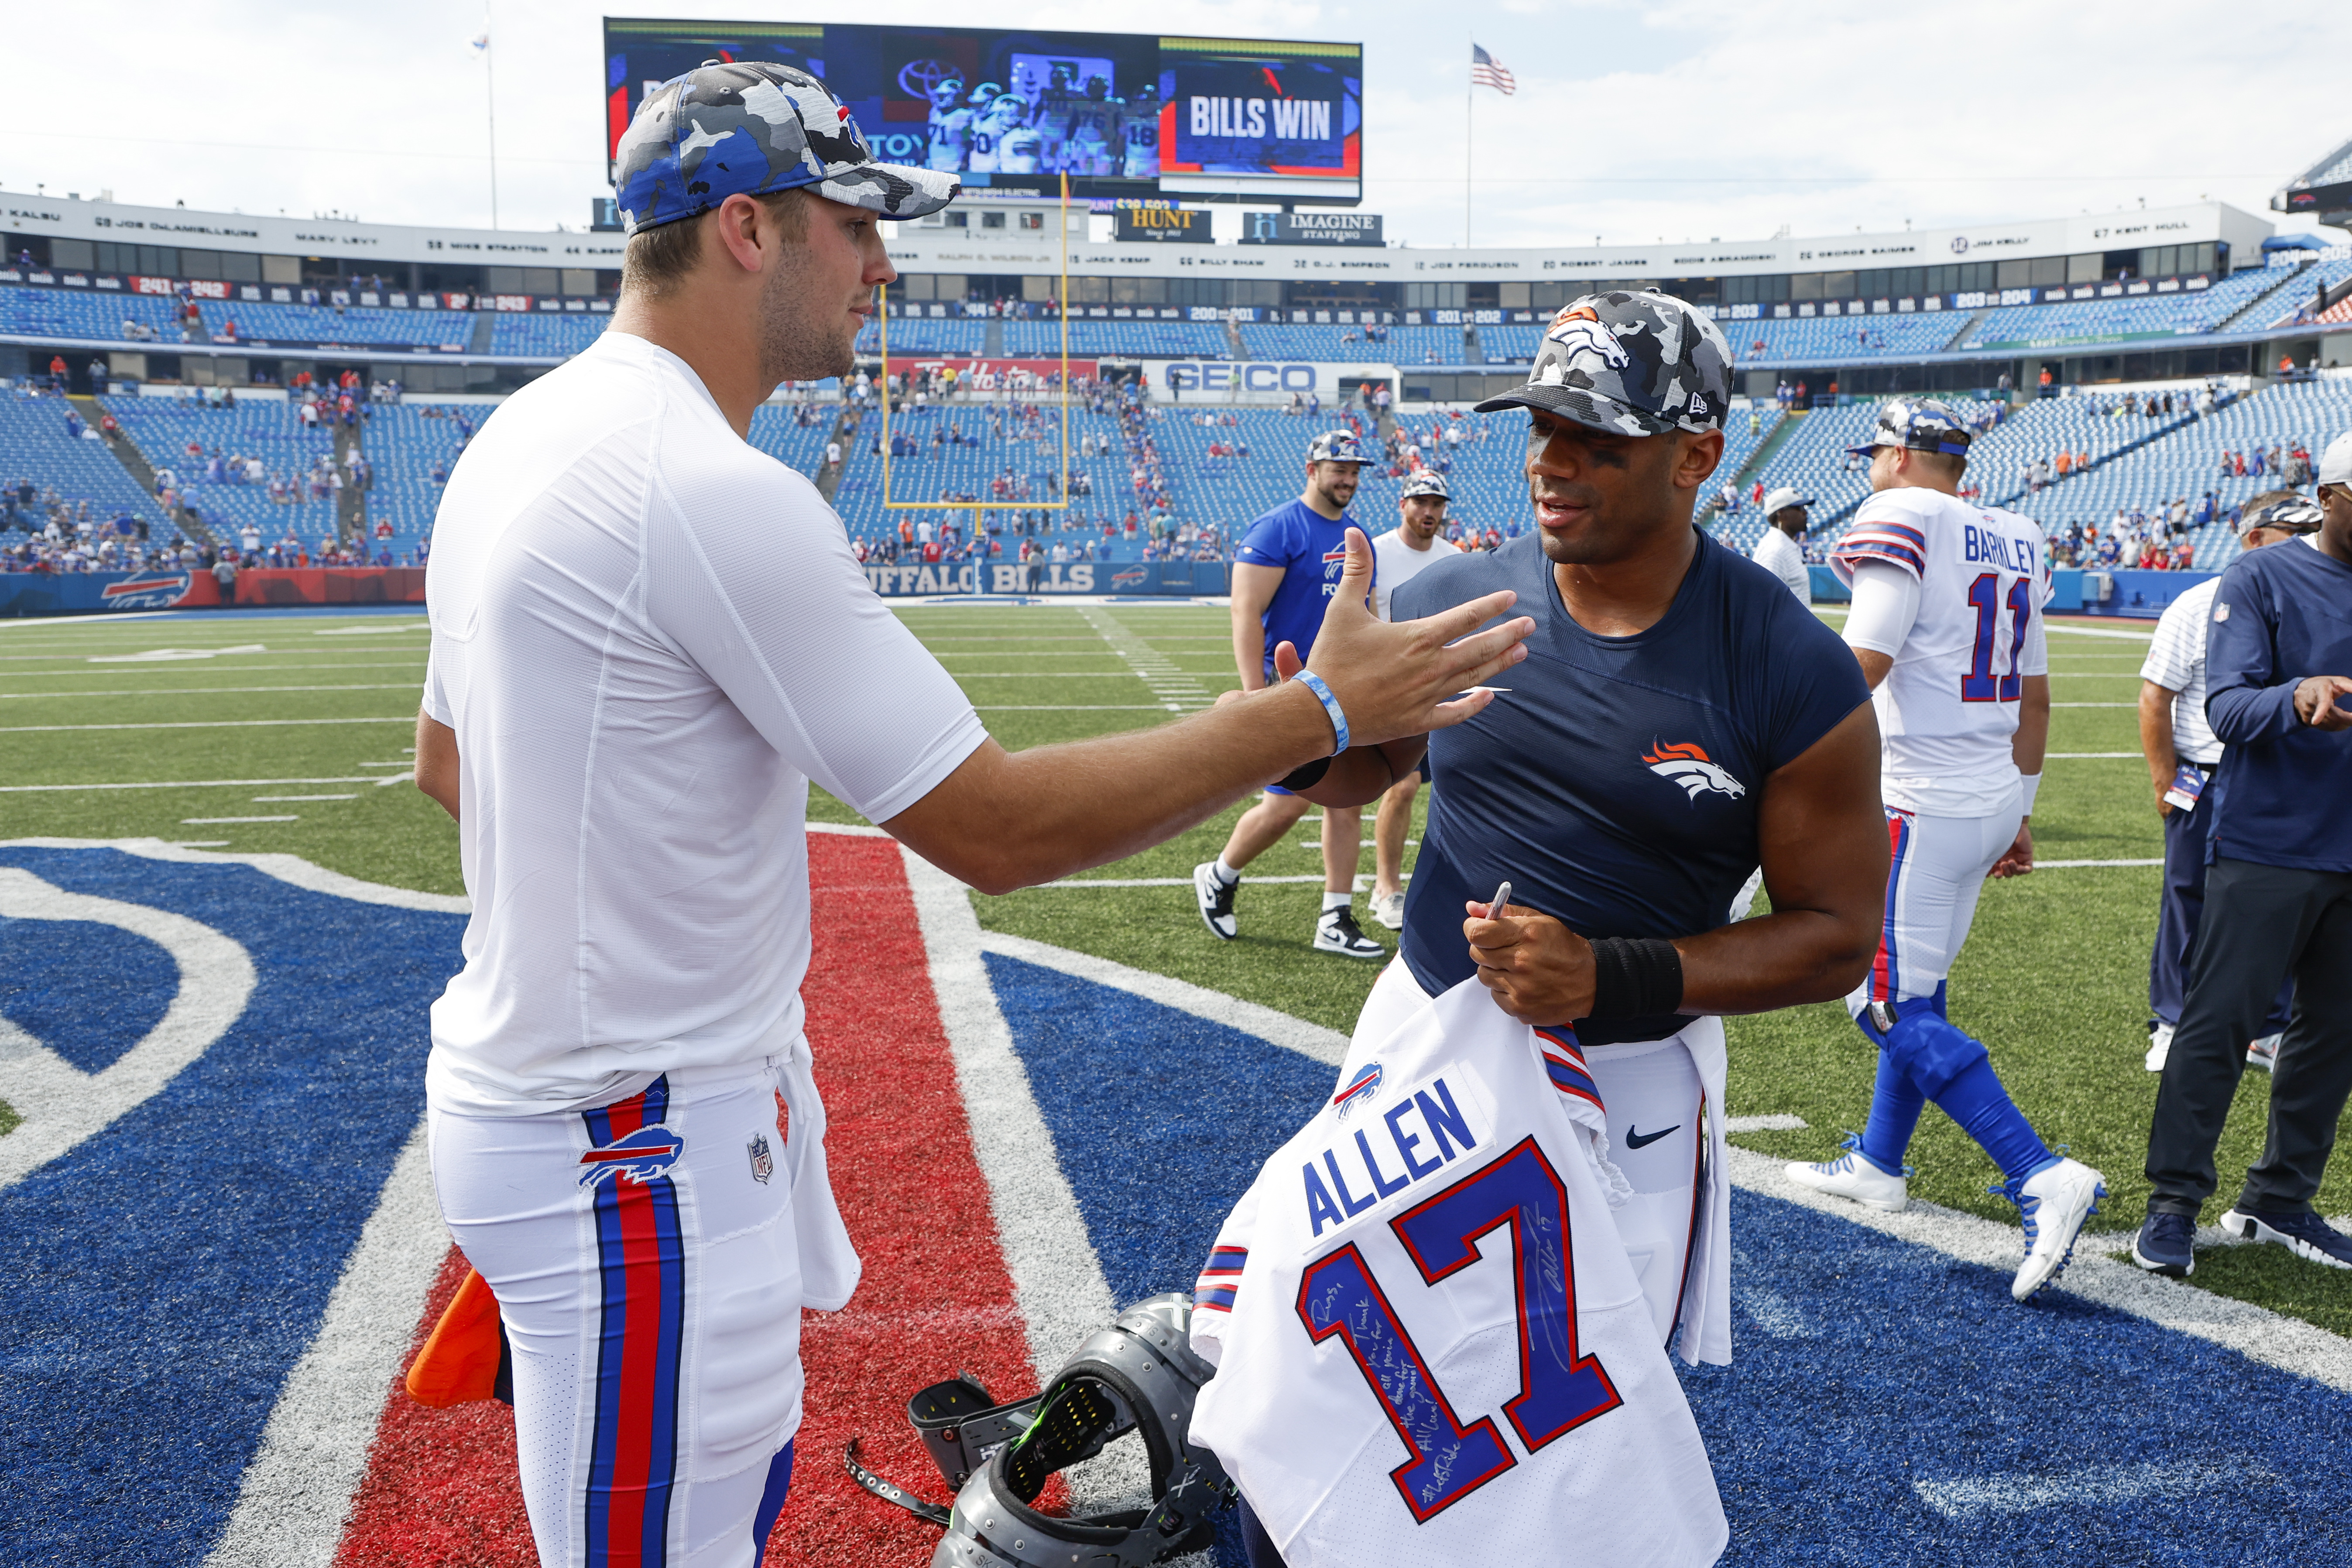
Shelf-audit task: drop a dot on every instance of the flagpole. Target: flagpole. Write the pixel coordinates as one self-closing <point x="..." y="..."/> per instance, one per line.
<point x="1469" y="162"/>
<point x="490" y="104"/>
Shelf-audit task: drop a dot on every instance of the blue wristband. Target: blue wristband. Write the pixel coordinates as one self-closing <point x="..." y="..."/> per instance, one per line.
<point x="1314" y="682"/>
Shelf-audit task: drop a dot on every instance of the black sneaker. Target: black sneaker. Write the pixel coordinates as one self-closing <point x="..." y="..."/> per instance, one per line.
<point x="1338" y="932"/>
<point x="1216" y="900"/>
<point x="2164" y="1244"/>
<point x="2307" y="1235"/>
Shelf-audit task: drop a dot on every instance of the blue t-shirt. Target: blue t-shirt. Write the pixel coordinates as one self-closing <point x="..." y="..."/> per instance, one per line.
<point x="2282" y="615"/>
<point x="1615" y="785"/>
<point x="1311" y="550"/>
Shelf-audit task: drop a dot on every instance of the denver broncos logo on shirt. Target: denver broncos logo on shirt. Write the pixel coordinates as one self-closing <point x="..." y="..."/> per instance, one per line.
<point x="1689" y="765"/>
<point x="1578" y="329"/>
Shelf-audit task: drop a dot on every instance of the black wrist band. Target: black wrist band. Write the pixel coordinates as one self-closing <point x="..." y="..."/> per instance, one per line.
<point x="1306" y="777"/>
<point x="1635" y="977"/>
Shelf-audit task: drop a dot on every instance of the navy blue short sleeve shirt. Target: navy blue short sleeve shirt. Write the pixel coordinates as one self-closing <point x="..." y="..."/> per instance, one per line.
<point x="1615" y="785"/>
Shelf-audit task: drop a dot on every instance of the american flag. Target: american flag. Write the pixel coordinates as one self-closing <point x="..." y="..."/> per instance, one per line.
<point x="1485" y="70"/>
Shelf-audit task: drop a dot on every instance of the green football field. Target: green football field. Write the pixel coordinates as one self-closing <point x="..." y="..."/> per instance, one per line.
<point x="292" y="733"/>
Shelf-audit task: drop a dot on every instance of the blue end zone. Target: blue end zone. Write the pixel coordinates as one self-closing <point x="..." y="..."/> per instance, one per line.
<point x="160" y="1281"/>
<point x="1886" y="1405"/>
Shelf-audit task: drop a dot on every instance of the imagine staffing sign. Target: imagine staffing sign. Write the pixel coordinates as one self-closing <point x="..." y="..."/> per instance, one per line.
<point x="1310" y="228"/>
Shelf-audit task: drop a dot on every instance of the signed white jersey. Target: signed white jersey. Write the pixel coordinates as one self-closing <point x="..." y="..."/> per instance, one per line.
<point x="1949" y="707"/>
<point x="1432" y="1350"/>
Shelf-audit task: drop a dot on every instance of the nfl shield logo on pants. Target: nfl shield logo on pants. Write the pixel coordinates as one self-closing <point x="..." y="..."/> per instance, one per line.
<point x="763" y="1163"/>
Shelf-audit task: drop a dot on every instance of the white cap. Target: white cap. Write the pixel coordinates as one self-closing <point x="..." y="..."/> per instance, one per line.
<point x="1786" y="495"/>
<point x="2335" y="463"/>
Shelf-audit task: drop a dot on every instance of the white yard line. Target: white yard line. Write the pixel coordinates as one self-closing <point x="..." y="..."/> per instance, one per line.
<point x="182" y="783"/>
<point x="1326" y="1045"/>
<point x="290" y="868"/>
<point x="208" y="690"/>
<point x="1177" y="691"/>
<point x="203" y="725"/>
<point x="217" y="821"/>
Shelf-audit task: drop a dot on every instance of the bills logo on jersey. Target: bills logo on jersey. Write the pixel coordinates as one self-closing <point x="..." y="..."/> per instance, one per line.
<point x="1580" y="330"/>
<point x="1687" y="765"/>
<point x="1359" y="1089"/>
<point x="146" y="593"/>
<point x="640" y="1157"/>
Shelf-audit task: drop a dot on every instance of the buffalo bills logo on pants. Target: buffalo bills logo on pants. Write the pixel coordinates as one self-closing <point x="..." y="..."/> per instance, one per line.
<point x="640" y="1157"/>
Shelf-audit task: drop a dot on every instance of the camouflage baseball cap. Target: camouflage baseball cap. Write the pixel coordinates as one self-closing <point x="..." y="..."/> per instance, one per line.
<point x="1427" y="482"/>
<point x="1640" y="363"/>
<point x="752" y="129"/>
<point x="1917" y="424"/>
<point x="1336" y="446"/>
<point x="2295" y="515"/>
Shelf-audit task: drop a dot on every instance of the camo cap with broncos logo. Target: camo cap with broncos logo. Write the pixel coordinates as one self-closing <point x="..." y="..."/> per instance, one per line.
<point x="753" y="129"/>
<point x="1640" y="363"/>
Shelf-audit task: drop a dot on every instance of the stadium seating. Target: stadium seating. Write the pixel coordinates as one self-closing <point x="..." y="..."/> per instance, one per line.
<point x="544" y="334"/>
<point x="2097" y="321"/>
<point x="78" y="313"/>
<point x="919" y="335"/>
<point x="357" y="324"/>
<point x="33" y="446"/>
<point x="2185" y="464"/>
<point x="1842" y="337"/>
<point x="1110" y="339"/>
<point x="944" y="469"/>
<point x="162" y="428"/>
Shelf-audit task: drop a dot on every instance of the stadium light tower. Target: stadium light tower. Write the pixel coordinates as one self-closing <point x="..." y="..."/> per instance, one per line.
<point x="490" y="105"/>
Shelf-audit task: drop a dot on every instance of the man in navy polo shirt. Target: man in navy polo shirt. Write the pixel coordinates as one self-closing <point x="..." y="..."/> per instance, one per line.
<point x="1284" y="572"/>
<point x="2278" y="897"/>
<point x="1679" y="720"/>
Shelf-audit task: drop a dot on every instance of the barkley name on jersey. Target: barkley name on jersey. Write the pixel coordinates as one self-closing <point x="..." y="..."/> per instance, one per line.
<point x="1949" y="705"/>
<point x="1432" y="1350"/>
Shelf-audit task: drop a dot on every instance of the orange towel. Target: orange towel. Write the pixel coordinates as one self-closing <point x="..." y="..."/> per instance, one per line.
<point x="459" y="1362"/>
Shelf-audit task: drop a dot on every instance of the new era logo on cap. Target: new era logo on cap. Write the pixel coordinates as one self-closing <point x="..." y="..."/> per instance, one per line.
<point x="751" y="128"/>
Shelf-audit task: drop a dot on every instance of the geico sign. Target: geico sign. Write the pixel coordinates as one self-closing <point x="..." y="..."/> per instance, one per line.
<point x="1251" y="375"/>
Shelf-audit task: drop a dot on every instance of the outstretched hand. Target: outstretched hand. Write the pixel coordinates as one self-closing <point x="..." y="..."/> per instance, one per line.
<point x="1399" y="679"/>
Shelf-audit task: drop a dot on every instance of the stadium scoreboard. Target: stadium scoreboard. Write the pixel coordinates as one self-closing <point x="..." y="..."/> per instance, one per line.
<point x="1122" y="114"/>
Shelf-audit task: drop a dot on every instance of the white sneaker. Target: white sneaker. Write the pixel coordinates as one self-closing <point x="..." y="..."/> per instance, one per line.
<point x="1338" y="932"/>
<point x="1215" y="900"/>
<point x="2264" y="1052"/>
<point x="2159" y="1047"/>
<point x="1388" y="910"/>
<point x="1852" y="1176"/>
<point x="2056" y="1201"/>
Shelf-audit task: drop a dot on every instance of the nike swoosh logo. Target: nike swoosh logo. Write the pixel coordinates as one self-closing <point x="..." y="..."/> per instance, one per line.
<point x="1636" y="1140"/>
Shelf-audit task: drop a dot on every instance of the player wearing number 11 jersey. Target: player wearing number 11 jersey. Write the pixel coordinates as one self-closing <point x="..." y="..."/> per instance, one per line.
<point x="1946" y="622"/>
<point x="1432" y="1350"/>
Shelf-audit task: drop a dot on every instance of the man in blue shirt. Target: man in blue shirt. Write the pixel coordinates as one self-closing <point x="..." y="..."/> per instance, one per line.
<point x="1679" y="720"/>
<point x="2278" y="897"/>
<point x="1284" y="572"/>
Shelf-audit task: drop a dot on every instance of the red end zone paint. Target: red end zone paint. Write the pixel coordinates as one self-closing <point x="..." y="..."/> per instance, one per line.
<point x="441" y="1489"/>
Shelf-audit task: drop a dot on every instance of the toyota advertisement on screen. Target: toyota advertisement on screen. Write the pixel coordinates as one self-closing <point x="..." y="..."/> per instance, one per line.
<point x="1122" y="114"/>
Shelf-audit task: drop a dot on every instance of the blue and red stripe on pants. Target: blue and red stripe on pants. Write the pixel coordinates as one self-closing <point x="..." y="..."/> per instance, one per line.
<point x="1885" y="972"/>
<point x="633" y="1461"/>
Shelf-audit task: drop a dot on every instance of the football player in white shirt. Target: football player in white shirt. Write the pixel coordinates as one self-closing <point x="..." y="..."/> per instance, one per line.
<point x="949" y="127"/>
<point x="2181" y="756"/>
<point x="1417" y="542"/>
<point x="1777" y="551"/>
<point x="648" y="637"/>
<point x="1946" y="622"/>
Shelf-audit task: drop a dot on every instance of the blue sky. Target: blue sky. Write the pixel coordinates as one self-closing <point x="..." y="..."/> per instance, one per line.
<point x="1687" y="119"/>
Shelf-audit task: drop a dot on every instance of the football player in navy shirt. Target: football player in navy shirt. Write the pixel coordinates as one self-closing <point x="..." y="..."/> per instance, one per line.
<point x="1284" y="574"/>
<point x="1680" y="719"/>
